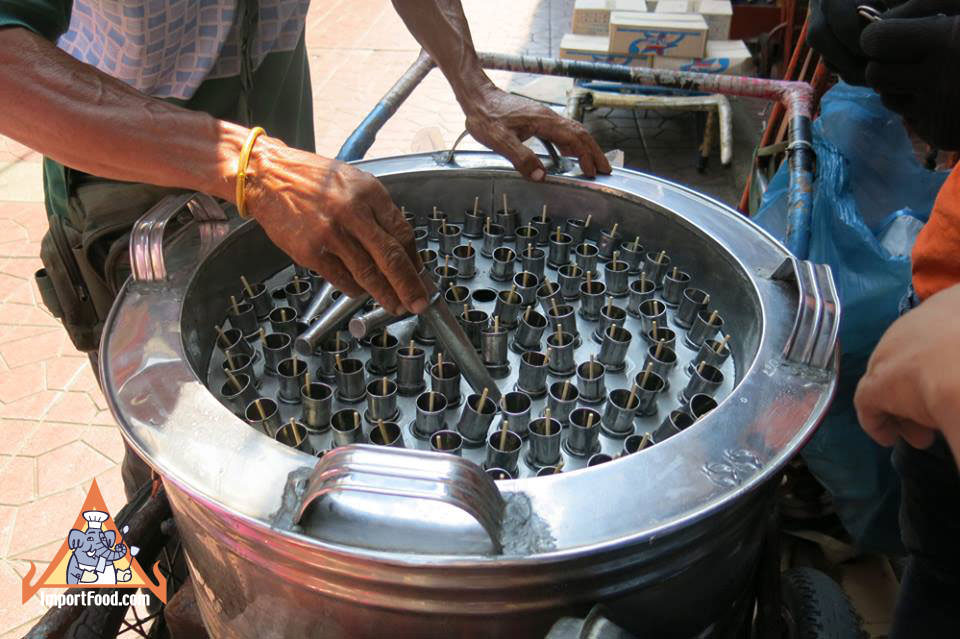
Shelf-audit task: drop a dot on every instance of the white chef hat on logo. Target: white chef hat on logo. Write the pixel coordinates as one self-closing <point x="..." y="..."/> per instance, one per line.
<point x="95" y="518"/>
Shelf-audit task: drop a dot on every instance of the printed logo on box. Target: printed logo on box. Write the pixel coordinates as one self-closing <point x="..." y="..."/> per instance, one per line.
<point x="708" y="65"/>
<point x="655" y="42"/>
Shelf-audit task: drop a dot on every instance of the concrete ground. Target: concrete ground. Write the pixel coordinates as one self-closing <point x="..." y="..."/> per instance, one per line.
<point x="56" y="433"/>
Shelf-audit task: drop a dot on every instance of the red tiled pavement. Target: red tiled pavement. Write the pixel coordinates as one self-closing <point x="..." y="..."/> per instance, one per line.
<point x="55" y="431"/>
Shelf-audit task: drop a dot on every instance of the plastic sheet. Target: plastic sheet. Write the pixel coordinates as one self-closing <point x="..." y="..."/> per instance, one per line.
<point x="871" y="197"/>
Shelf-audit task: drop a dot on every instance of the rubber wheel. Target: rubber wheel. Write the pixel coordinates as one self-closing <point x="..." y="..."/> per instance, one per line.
<point x="814" y="606"/>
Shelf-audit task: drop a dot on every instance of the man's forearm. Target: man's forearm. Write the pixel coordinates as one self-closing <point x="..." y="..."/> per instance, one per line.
<point x="441" y="28"/>
<point x="84" y="119"/>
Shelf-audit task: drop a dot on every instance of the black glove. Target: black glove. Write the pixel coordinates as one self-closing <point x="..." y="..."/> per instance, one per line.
<point x="834" y="31"/>
<point x="915" y="67"/>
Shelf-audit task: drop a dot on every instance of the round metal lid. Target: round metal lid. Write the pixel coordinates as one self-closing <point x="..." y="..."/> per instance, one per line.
<point x="786" y="376"/>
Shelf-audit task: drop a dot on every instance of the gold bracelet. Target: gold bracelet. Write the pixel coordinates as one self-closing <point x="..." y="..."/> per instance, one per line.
<point x="242" y="162"/>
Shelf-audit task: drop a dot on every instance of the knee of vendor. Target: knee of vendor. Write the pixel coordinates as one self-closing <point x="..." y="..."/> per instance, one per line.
<point x="936" y="254"/>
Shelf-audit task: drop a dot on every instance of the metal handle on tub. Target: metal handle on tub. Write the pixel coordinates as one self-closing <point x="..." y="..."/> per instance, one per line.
<point x="813" y="341"/>
<point x="557" y="162"/>
<point x="146" y="238"/>
<point x="408" y="474"/>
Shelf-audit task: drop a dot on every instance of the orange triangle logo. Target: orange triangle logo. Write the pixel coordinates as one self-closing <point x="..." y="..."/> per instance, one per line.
<point x="94" y="554"/>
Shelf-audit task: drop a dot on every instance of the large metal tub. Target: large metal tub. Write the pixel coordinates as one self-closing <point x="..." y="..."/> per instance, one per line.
<point x="667" y="539"/>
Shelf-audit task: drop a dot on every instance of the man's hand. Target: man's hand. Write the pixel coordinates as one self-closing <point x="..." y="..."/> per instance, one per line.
<point x="834" y="31"/>
<point x="503" y="121"/>
<point x="337" y="220"/>
<point x="915" y="54"/>
<point x="495" y="118"/>
<point x="912" y="385"/>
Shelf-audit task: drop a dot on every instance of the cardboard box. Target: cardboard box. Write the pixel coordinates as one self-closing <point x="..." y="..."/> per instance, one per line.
<point x="717" y="14"/>
<point x="596" y="49"/>
<point x="592" y="17"/>
<point x="730" y="57"/>
<point x="673" y="6"/>
<point x="679" y="35"/>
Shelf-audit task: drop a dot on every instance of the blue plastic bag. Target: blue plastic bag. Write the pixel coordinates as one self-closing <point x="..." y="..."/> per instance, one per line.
<point x="866" y="178"/>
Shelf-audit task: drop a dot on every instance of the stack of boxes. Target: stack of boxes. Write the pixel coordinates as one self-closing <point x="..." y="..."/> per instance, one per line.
<point x="685" y="35"/>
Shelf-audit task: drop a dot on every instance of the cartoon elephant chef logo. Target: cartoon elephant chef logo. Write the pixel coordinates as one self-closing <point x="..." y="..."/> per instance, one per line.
<point x="95" y="554"/>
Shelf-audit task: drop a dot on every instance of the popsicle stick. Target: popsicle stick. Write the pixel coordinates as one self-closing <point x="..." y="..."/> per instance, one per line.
<point x="674" y="274"/>
<point x="434" y="212"/>
<point x="487" y="225"/>
<point x="546" y="357"/>
<point x="466" y="309"/>
<point x="504" y="428"/>
<point x="505" y="209"/>
<point x="496" y="324"/>
<point x="660" y="257"/>
<point x="283" y="315"/>
<point x="385" y="385"/>
<point x="526" y="313"/>
<point x="654" y="330"/>
<point x="383" y="339"/>
<point x="722" y="344"/>
<point x="306" y="381"/>
<point x="613" y="231"/>
<point x="590" y="419"/>
<point x="559" y="334"/>
<point x="233" y="303"/>
<point x="437" y="440"/>
<point x="263" y="337"/>
<point x="543" y="214"/>
<point x="246" y="285"/>
<point x="609" y="305"/>
<point x="529" y="250"/>
<point x="446" y="264"/>
<point x="526" y="277"/>
<point x="440" y="362"/>
<point x="587" y="223"/>
<point x="356" y="419"/>
<point x="633" y="396"/>
<point x="234" y="381"/>
<point x="430" y="401"/>
<point x="712" y="317"/>
<point x="646" y="376"/>
<point x="483" y="399"/>
<point x="337" y="338"/>
<point x="476" y="204"/>
<point x="566" y="389"/>
<point x="643" y="280"/>
<point x="383" y="431"/>
<point x="558" y="233"/>
<point x="700" y="368"/>
<point x="339" y="362"/>
<point x="636" y="243"/>
<point x="221" y="335"/>
<point x="616" y="256"/>
<point x="230" y="361"/>
<point x="644" y="442"/>
<point x="260" y="409"/>
<point x="590" y="281"/>
<point x="659" y="350"/>
<point x="443" y="227"/>
<point x="410" y="349"/>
